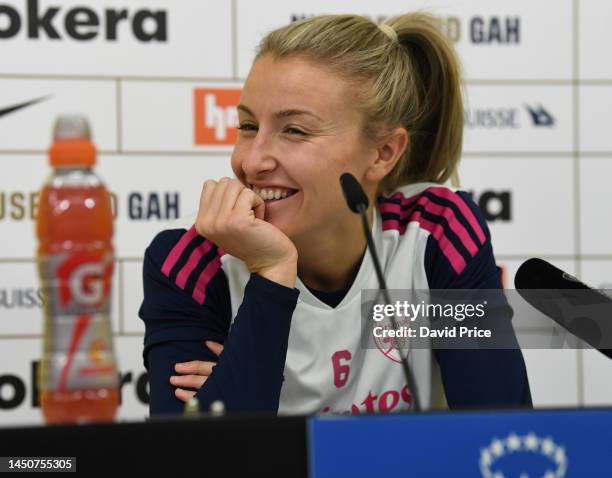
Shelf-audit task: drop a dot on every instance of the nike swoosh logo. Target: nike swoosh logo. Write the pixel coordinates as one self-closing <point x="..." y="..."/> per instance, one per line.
<point x="13" y="108"/>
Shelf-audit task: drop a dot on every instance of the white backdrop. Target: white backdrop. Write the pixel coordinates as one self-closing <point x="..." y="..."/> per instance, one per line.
<point x="160" y="86"/>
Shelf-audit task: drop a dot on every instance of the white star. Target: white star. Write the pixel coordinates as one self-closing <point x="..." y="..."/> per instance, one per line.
<point x="549" y="474"/>
<point x="499" y="474"/>
<point x="497" y="447"/>
<point x="531" y="442"/>
<point x="560" y="456"/>
<point x="548" y="446"/>
<point x="514" y="442"/>
<point x="485" y="457"/>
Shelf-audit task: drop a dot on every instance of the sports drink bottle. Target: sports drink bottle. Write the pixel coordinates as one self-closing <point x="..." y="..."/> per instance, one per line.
<point x="78" y="378"/>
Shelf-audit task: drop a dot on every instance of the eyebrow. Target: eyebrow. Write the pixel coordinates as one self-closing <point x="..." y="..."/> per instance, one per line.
<point x="282" y="113"/>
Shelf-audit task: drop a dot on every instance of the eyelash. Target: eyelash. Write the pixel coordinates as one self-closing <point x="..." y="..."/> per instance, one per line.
<point x="248" y="126"/>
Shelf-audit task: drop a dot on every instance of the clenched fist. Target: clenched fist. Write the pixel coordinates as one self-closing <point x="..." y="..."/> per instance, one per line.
<point x="231" y="216"/>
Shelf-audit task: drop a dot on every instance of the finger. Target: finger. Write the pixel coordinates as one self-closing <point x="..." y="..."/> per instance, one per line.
<point x="249" y="201"/>
<point x="216" y="347"/>
<point x="230" y="196"/>
<point x="183" y="395"/>
<point x="204" y="213"/>
<point x="188" y="381"/>
<point x="195" y="367"/>
<point x="217" y="198"/>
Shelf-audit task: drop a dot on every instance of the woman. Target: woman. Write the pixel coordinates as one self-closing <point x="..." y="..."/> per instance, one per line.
<point x="325" y="96"/>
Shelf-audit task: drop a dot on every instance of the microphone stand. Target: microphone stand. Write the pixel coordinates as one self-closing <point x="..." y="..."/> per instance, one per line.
<point x="408" y="375"/>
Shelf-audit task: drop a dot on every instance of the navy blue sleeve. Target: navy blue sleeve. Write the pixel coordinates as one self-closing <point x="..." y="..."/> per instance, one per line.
<point x="473" y="378"/>
<point x="180" y="314"/>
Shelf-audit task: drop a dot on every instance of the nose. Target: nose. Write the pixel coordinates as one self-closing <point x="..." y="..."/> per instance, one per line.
<point x="259" y="158"/>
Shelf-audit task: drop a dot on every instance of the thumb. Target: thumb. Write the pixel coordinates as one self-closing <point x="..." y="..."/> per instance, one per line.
<point x="258" y="205"/>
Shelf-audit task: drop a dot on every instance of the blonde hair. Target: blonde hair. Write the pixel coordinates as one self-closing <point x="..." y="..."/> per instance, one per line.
<point x="413" y="81"/>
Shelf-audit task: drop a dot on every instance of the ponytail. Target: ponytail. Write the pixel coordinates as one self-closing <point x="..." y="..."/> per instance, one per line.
<point x="436" y="130"/>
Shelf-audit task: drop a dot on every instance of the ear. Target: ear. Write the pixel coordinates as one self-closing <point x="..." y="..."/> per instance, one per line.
<point x="390" y="150"/>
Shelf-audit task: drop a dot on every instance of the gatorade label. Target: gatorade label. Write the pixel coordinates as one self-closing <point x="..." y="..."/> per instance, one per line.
<point x="78" y="347"/>
<point x="79" y="354"/>
<point x="77" y="283"/>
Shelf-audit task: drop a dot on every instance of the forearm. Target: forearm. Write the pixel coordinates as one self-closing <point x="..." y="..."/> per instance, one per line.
<point x="249" y="373"/>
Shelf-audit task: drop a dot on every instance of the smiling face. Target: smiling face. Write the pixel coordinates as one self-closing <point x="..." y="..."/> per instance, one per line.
<point x="298" y="133"/>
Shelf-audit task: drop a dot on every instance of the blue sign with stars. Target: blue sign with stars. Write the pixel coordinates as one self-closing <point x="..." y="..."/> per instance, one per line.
<point x="508" y="444"/>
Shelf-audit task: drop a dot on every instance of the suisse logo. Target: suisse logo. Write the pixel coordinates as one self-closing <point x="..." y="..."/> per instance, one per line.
<point x="21" y="298"/>
<point x="216" y="116"/>
<point x="510" y="117"/>
<point x="55" y="22"/>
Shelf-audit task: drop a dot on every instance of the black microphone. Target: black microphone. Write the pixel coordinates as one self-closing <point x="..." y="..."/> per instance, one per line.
<point x="578" y="308"/>
<point x="353" y="193"/>
<point x="358" y="203"/>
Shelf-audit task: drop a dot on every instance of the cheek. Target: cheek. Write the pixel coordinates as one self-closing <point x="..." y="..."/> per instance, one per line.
<point x="236" y="162"/>
<point x="324" y="188"/>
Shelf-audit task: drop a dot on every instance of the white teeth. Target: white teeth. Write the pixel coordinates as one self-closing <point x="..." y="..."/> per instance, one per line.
<point x="270" y="194"/>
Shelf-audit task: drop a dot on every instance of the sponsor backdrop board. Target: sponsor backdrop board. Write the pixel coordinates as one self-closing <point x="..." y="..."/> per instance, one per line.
<point x="117" y="38"/>
<point x="159" y="81"/>
<point x="497" y="40"/>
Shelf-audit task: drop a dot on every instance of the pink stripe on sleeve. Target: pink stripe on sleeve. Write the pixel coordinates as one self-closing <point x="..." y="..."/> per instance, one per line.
<point x="390" y="207"/>
<point x="394" y="208"/>
<point x="393" y="225"/>
<point x="454" y="224"/>
<point x="192" y="262"/>
<point x="448" y="249"/>
<point x="177" y="250"/>
<point x="465" y="210"/>
<point x="199" y="292"/>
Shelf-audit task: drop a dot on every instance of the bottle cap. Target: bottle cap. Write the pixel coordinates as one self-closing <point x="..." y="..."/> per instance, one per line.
<point x="217" y="408"/>
<point x="191" y="408"/>
<point x="72" y="144"/>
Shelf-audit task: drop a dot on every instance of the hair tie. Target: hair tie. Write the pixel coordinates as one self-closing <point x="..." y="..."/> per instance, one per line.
<point x="388" y="30"/>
